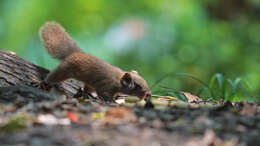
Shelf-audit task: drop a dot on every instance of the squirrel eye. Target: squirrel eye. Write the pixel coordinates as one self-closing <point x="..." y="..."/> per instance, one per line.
<point x="137" y="86"/>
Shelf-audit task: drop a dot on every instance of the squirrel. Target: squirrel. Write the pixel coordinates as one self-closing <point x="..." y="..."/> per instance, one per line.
<point x="97" y="75"/>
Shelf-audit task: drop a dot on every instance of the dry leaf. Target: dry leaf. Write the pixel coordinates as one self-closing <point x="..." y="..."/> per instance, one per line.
<point x="168" y="98"/>
<point x="73" y="117"/>
<point x="249" y="109"/>
<point x="120" y="101"/>
<point x="191" y="98"/>
<point x="119" y="115"/>
<point x="49" y="119"/>
<point x="97" y="115"/>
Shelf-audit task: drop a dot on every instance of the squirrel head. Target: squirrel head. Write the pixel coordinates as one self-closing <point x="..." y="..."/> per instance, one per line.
<point x="133" y="84"/>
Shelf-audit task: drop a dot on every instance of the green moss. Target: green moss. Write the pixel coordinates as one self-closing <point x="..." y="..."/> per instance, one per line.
<point x="15" y="124"/>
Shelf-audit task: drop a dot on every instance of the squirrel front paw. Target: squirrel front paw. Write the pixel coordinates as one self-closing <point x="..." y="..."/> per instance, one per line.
<point x="44" y="86"/>
<point x="83" y="92"/>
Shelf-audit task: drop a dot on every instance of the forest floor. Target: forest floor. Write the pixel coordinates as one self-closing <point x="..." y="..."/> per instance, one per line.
<point x="58" y="121"/>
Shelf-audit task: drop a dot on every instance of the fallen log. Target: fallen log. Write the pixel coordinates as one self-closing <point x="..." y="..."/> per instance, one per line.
<point x="15" y="70"/>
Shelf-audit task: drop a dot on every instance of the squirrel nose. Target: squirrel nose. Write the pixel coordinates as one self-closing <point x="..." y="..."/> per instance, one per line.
<point x="148" y="94"/>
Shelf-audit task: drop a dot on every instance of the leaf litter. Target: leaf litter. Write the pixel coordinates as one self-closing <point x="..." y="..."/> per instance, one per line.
<point x="158" y="122"/>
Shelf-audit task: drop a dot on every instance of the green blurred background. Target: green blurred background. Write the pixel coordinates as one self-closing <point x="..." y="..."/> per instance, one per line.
<point x="153" y="37"/>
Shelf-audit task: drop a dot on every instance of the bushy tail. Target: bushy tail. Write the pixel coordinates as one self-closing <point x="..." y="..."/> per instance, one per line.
<point x="56" y="41"/>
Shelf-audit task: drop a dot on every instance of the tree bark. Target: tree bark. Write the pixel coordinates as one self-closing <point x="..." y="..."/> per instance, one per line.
<point x="15" y="70"/>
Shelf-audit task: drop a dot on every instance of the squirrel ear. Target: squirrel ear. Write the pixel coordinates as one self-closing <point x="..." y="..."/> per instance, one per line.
<point x="134" y="71"/>
<point x="126" y="79"/>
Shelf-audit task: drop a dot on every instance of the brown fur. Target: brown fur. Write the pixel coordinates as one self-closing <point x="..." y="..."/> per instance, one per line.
<point x="97" y="75"/>
<point x="56" y="41"/>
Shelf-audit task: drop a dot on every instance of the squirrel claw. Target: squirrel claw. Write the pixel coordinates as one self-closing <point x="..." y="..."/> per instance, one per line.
<point x="82" y="92"/>
<point x="44" y="86"/>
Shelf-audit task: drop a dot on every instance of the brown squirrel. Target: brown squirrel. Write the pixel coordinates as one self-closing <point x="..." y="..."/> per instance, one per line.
<point x="98" y="76"/>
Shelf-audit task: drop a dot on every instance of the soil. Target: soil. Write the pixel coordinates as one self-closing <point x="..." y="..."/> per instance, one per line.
<point x="37" y="118"/>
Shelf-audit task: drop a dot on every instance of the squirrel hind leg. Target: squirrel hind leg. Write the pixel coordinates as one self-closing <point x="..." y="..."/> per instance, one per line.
<point x="59" y="74"/>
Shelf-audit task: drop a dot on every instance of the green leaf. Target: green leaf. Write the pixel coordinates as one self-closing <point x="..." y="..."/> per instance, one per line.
<point x="178" y="95"/>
